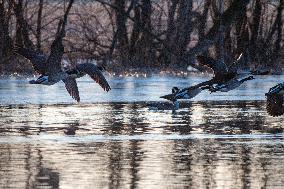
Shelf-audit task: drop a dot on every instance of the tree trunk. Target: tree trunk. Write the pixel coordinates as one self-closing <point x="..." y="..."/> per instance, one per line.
<point x="146" y="42"/>
<point x="255" y="23"/>
<point x="166" y="56"/>
<point x="24" y="27"/>
<point x="5" y="40"/>
<point x="122" y="39"/>
<point x="183" y="31"/>
<point x="220" y="49"/>
<point x="203" y="20"/>
<point x="279" y="26"/>
<point x="242" y="34"/>
<point x="38" y="28"/>
<point x="135" y="31"/>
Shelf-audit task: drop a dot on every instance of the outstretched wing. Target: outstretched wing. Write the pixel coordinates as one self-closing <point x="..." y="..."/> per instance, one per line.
<point x="37" y="59"/>
<point x="95" y="73"/>
<point x="218" y="67"/>
<point x="53" y="63"/>
<point x="72" y="88"/>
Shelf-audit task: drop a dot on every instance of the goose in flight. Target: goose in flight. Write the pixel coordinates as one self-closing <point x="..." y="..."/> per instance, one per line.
<point x="275" y="100"/>
<point x="225" y="79"/>
<point x="50" y="66"/>
<point x="52" y="73"/>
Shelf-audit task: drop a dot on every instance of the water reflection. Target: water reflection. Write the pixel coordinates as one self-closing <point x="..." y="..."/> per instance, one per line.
<point x="211" y="144"/>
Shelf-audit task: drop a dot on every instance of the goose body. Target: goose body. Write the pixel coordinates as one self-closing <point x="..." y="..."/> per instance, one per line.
<point x="45" y="79"/>
<point x="186" y="93"/>
<point x="229" y="85"/>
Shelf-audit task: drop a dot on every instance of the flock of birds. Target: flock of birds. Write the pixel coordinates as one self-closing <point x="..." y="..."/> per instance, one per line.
<point x="226" y="77"/>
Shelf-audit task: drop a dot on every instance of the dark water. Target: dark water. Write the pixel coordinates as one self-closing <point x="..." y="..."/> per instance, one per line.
<point x="225" y="140"/>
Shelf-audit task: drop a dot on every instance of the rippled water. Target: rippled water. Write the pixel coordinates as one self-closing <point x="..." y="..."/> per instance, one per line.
<point x="113" y="140"/>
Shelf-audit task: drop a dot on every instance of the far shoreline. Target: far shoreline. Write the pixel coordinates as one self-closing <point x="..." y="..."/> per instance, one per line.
<point x="141" y="72"/>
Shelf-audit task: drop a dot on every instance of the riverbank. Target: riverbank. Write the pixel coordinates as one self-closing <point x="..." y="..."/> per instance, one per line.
<point x="25" y="68"/>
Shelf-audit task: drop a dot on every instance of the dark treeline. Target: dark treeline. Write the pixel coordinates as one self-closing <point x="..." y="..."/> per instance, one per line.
<point x="146" y="33"/>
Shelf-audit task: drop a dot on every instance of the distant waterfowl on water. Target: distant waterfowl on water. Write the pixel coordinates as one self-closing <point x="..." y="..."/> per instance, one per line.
<point x="275" y="100"/>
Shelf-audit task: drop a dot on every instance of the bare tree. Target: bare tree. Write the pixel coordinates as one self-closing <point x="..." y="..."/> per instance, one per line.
<point x="144" y="33"/>
<point x="5" y="39"/>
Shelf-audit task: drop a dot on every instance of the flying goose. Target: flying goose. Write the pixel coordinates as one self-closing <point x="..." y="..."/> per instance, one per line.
<point x="50" y="66"/>
<point x="222" y="74"/>
<point x="225" y="79"/>
<point x="275" y="100"/>
<point x="52" y="73"/>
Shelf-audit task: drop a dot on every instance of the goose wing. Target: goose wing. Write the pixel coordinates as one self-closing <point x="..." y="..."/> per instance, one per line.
<point x="37" y="59"/>
<point x="53" y="63"/>
<point x="72" y="88"/>
<point x="95" y="73"/>
<point x="218" y="67"/>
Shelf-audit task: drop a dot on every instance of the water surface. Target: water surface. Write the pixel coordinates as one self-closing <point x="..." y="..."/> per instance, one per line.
<point x="113" y="140"/>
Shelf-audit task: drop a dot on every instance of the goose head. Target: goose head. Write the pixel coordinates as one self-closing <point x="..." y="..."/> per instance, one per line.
<point x="248" y="78"/>
<point x="175" y="90"/>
